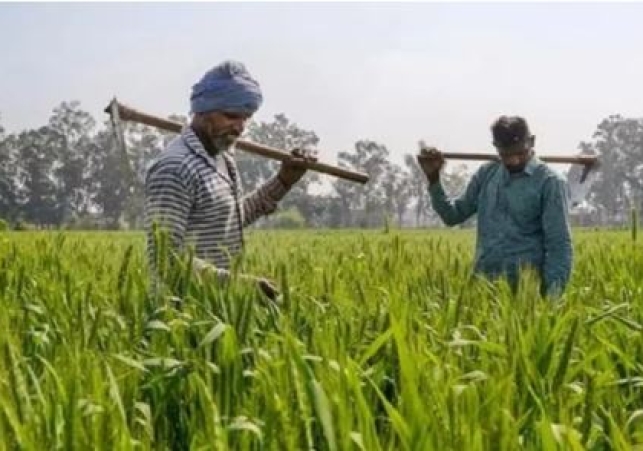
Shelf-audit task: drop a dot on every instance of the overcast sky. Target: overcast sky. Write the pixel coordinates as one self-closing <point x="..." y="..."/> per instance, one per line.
<point x="391" y="72"/>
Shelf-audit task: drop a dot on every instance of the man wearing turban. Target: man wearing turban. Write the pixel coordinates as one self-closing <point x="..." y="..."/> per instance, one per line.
<point x="193" y="191"/>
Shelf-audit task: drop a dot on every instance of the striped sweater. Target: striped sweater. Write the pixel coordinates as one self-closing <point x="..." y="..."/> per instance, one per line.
<point x="197" y="199"/>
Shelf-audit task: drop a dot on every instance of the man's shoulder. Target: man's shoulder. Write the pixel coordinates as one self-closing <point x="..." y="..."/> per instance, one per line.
<point x="548" y="173"/>
<point x="174" y="150"/>
<point x="551" y="182"/>
<point x="175" y="158"/>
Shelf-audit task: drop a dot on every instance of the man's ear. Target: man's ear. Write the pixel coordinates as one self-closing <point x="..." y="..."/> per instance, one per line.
<point x="531" y="141"/>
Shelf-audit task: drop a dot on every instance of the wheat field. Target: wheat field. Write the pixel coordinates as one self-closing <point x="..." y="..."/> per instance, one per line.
<point x="382" y="340"/>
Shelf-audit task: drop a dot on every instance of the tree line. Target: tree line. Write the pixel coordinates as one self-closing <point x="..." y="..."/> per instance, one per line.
<point x="72" y="173"/>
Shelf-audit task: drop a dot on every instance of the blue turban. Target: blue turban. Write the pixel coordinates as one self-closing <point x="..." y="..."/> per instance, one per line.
<point x="226" y="87"/>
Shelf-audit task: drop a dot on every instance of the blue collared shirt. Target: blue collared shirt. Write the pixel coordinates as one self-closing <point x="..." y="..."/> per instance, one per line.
<point x="523" y="219"/>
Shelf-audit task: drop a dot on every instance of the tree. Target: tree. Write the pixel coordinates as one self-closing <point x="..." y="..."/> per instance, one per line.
<point x="397" y="191"/>
<point x="283" y="134"/>
<point x="619" y="185"/>
<point x="36" y="187"/>
<point x="8" y="199"/>
<point x="362" y="205"/>
<point x="108" y="187"/>
<point x="72" y="145"/>
<point x="417" y="188"/>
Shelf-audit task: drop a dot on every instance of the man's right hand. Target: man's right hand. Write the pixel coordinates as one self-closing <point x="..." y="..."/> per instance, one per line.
<point x="431" y="161"/>
<point x="267" y="288"/>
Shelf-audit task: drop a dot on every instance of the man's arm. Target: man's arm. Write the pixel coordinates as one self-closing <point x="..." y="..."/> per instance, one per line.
<point x="557" y="237"/>
<point x="458" y="210"/>
<point x="264" y="200"/>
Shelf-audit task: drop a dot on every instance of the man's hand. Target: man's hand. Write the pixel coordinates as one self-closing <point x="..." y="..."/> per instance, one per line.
<point x="267" y="288"/>
<point x="431" y="161"/>
<point x="294" y="168"/>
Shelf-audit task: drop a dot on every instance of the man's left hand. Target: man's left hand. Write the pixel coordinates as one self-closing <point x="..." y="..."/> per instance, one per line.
<point x="293" y="169"/>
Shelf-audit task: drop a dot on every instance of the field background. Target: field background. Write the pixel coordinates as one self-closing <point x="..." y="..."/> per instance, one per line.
<point x="382" y="341"/>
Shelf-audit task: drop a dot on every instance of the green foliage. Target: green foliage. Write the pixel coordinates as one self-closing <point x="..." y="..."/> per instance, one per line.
<point x="618" y="141"/>
<point x="634" y="220"/>
<point x="22" y="226"/>
<point x="382" y="341"/>
<point x="73" y="166"/>
<point x="288" y="219"/>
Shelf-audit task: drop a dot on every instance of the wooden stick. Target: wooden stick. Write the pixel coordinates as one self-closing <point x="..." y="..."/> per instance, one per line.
<point x="130" y="114"/>
<point x="585" y="160"/>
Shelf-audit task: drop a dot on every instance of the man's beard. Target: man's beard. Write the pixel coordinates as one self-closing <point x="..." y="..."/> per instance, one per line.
<point x="223" y="142"/>
<point x="219" y="142"/>
<point x="515" y="169"/>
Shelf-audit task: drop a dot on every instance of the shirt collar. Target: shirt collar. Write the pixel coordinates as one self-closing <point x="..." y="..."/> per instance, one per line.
<point x="194" y="144"/>
<point x="529" y="169"/>
<point x="531" y="165"/>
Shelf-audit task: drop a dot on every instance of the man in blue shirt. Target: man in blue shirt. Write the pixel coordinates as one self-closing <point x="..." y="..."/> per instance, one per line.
<point x="521" y="206"/>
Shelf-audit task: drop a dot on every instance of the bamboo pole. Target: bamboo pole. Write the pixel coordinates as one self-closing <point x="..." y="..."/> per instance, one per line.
<point x="585" y="160"/>
<point x="129" y="114"/>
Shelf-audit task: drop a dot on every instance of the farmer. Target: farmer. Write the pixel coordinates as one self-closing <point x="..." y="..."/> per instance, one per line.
<point x="193" y="191"/>
<point x="521" y="206"/>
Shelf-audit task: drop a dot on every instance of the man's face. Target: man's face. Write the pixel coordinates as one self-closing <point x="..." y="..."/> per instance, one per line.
<point x="224" y="128"/>
<point x="516" y="156"/>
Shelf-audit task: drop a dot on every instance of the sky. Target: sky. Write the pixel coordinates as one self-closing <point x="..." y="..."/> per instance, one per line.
<point x="395" y="73"/>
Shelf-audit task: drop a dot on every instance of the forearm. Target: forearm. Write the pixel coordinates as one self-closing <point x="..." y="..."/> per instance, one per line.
<point x="264" y="200"/>
<point x="451" y="212"/>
